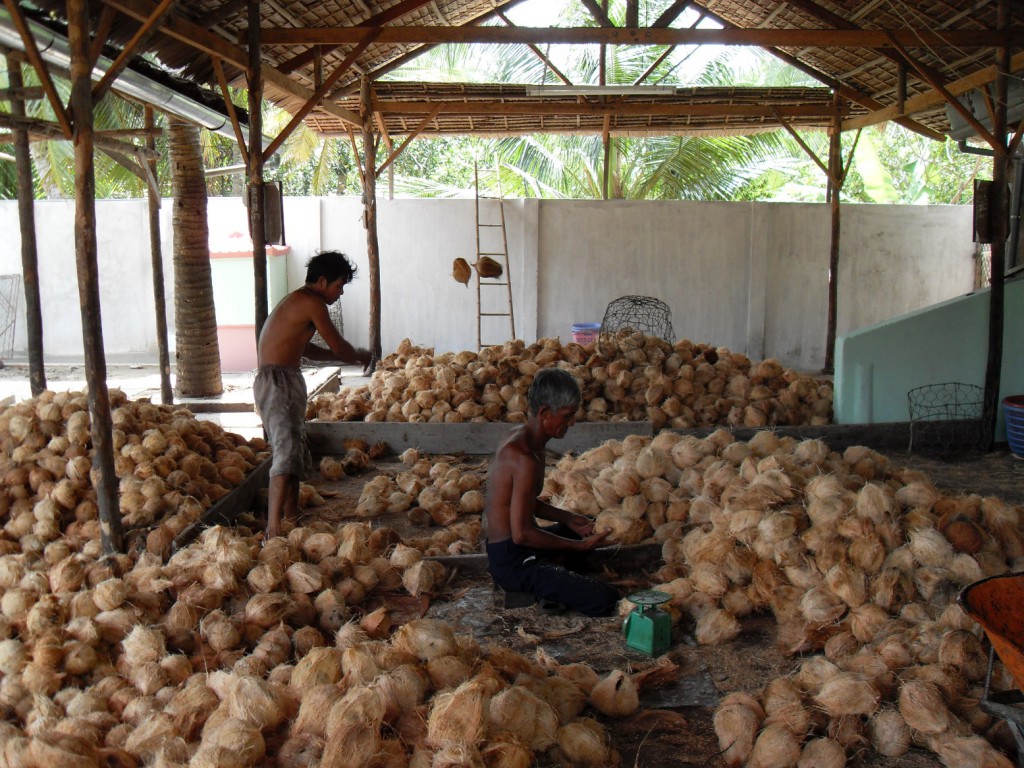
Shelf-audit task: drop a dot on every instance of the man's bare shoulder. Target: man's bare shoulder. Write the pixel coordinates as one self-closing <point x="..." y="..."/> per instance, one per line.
<point x="514" y="449"/>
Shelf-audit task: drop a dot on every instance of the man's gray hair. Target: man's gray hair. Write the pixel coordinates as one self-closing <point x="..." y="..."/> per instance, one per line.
<point x="554" y="388"/>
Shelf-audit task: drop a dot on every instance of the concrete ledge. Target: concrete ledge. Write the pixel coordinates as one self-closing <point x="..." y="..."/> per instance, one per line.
<point x="325" y="437"/>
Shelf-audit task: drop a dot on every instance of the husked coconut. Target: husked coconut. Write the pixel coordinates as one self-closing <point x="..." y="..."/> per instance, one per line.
<point x="737" y="721"/>
<point x="616" y="695"/>
<point x="520" y="712"/>
<point x="459" y="717"/>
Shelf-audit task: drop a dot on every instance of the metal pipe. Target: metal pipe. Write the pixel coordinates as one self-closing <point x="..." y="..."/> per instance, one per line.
<point x="55" y="49"/>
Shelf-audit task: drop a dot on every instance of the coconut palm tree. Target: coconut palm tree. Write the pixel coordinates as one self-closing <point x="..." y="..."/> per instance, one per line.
<point x="195" y="317"/>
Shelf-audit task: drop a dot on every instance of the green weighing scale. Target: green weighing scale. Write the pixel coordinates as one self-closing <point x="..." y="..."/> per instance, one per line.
<point x="647" y="628"/>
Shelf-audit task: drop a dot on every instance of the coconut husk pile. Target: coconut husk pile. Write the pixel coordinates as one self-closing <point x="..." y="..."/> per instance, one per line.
<point x="433" y="494"/>
<point x="171" y="467"/>
<point x="860" y="563"/>
<point x="627" y="376"/>
<point x="237" y="655"/>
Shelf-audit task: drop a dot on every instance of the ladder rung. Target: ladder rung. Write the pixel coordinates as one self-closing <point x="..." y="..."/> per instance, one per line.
<point x="490" y="283"/>
<point x="495" y="314"/>
<point x="489" y="225"/>
<point x="490" y="253"/>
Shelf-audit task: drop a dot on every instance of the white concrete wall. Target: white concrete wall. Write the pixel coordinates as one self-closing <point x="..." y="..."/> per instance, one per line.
<point x="749" y="276"/>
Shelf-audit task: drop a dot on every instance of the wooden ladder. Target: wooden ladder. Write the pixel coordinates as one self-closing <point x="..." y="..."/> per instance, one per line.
<point x="486" y="246"/>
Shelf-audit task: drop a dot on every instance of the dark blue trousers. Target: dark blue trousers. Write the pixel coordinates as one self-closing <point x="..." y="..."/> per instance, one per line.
<point x="515" y="568"/>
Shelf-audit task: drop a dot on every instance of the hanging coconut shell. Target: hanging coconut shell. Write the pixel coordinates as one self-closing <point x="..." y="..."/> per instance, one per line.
<point x="488" y="267"/>
<point x="461" y="271"/>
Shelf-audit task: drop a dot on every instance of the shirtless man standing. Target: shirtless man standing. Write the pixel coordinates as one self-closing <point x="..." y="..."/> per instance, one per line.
<point x="280" y="389"/>
<point x="519" y="551"/>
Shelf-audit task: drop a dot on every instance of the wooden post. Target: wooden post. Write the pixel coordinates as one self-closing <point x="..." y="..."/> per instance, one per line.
<point x="370" y="218"/>
<point x="29" y="254"/>
<point x="259" y="240"/>
<point x="998" y="207"/>
<point x="835" y="185"/>
<point x="104" y="478"/>
<point x="157" y="260"/>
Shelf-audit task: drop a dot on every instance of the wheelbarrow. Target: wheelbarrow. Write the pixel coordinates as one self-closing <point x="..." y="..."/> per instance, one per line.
<point x="997" y="604"/>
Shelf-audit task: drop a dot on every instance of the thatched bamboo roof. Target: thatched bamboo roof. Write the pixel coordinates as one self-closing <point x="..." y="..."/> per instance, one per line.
<point x="883" y="55"/>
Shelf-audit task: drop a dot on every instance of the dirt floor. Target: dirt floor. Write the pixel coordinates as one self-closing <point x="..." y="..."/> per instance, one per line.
<point x="675" y="728"/>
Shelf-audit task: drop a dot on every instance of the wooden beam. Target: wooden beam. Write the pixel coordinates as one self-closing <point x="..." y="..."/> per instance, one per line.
<point x="27" y="227"/>
<point x="818" y="38"/>
<point x="355" y="153"/>
<point x="599" y="14"/>
<point x="539" y="53"/>
<point x="212" y="44"/>
<point x="633" y="13"/>
<point x="538" y="107"/>
<point x="184" y="31"/>
<point x="51" y="131"/>
<point x="379" y="119"/>
<point x="141" y="36"/>
<point x="222" y="13"/>
<point x="833" y="19"/>
<point x="393" y="64"/>
<point x="257" y="225"/>
<point x="934" y="98"/>
<point x="5" y="138"/>
<point x="998" y="208"/>
<point x="606" y="144"/>
<point x="104" y="477"/>
<point x="370" y="220"/>
<point x="835" y="187"/>
<point x="671" y="13"/>
<point x="952" y="100"/>
<point x="218" y="71"/>
<point x="125" y="161"/>
<point x="22" y="92"/>
<point x="317" y="96"/>
<point x="36" y="59"/>
<point x="102" y="32"/>
<point x="803" y="145"/>
<point x="157" y="266"/>
<point x="657" y="63"/>
<point x="408" y="139"/>
<point x="380" y="19"/>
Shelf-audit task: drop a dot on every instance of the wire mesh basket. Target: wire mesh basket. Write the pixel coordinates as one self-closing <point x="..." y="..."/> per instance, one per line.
<point x="650" y="316"/>
<point x="10" y="291"/>
<point x="334" y="311"/>
<point x="945" y="418"/>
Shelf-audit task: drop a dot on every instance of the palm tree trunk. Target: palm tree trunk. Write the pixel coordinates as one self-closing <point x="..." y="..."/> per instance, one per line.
<point x="195" y="319"/>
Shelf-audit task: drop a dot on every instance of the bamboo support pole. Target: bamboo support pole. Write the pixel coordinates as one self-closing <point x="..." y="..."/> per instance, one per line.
<point x="256" y="199"/>
<point x="157" y="260"/>
<point x="998" y="208"/>
<point x="105" y="479"/>
<point x="835" y="186"/>
<point x="370" y="219"/>
<point x="29" y="253"/>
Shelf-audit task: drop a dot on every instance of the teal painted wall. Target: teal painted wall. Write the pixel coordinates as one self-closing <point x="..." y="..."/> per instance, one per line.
<point x="876" y="366"/>
<point x="234" y="287"/>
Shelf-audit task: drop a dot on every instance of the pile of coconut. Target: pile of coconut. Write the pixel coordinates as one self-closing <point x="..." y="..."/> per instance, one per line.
<point x="432" y="493"/>
<point x="628" y="376"/>
<point x="859" y="561"/>
<point x="232" y="654"/>
<point x="171" y="467"/>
